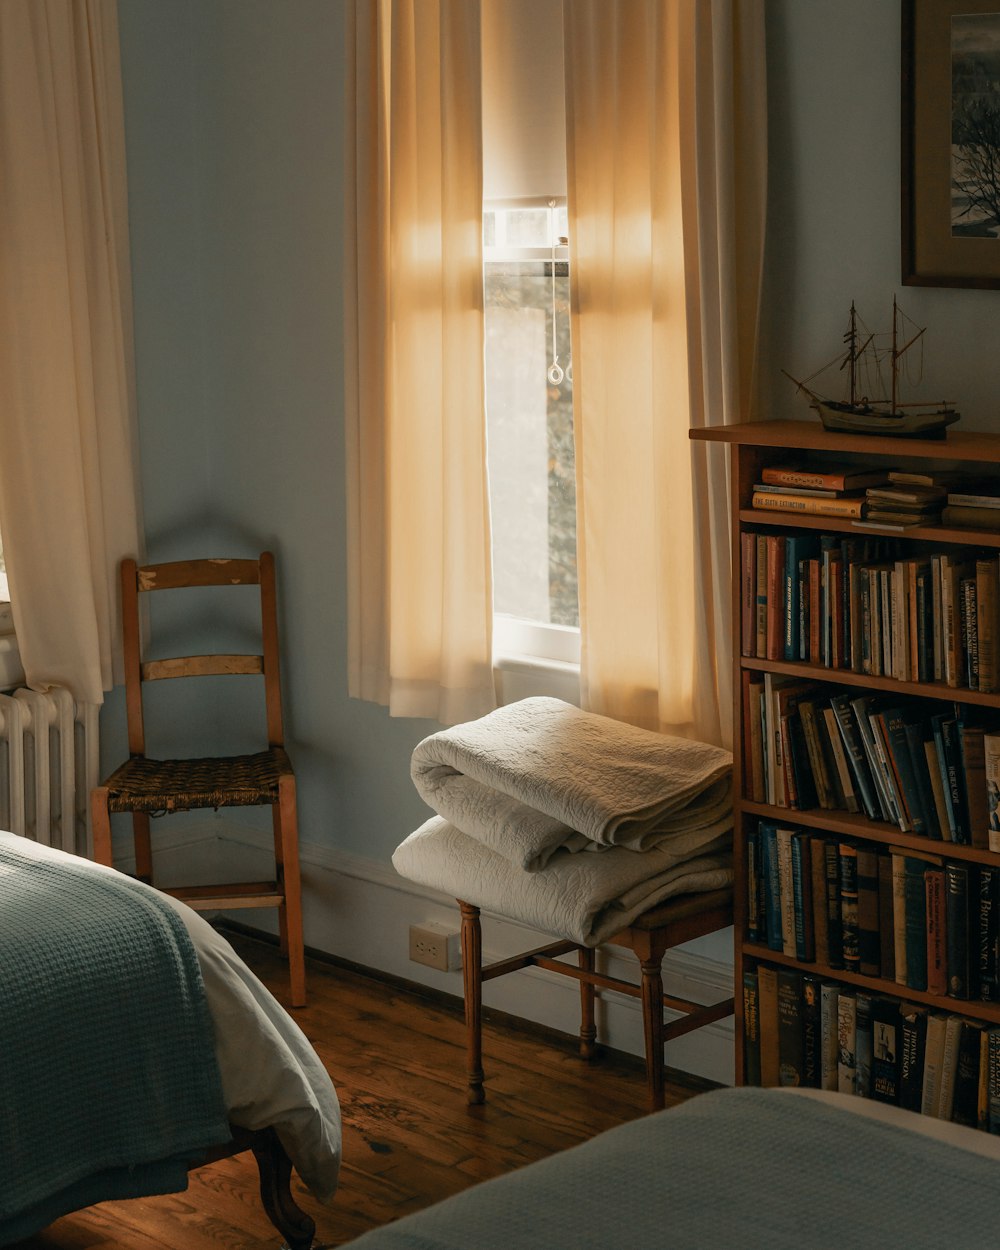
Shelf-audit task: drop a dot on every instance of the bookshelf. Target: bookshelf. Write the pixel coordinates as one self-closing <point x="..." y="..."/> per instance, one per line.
<point x="752" y="448"/>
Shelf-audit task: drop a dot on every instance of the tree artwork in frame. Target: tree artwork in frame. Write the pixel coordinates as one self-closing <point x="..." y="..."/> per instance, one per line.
<point x="951" y="143"/>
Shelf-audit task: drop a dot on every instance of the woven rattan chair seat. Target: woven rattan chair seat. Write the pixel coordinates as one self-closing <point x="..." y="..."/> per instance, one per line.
<point x="147" y="785"/>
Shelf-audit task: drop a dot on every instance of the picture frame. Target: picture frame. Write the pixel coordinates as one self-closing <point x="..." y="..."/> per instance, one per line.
<point x="950" y="137"/>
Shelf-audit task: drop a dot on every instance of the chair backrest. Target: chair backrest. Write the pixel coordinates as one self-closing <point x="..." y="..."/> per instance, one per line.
<point x="179" y="574"/>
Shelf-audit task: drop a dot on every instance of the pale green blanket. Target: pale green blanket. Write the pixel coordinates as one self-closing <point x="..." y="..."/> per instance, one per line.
<point x="108" y="1078"/>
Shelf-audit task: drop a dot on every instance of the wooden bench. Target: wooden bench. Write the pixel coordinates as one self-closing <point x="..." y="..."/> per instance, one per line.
<point x="649" y="937"/>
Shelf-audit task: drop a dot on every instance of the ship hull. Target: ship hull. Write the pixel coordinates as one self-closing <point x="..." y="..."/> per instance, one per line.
<point x="857" y="419"/>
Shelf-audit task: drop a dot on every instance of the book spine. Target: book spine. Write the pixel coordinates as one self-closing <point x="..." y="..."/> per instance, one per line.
<point x="767" y="1004"/>
<point x="885" y="1050"/>
<point x="986" y="932"/>
<point x="887" y="945"/>
<point x="949" y="1067"/>
<point x="899" y="915"/>
<point x="772" y="885"/>
<point x="869" y="953"/>
<point x="913" y="1028"/>
<point x="848" y="856"/>
<point x="834" y="916"/>
<point x="955" y="790"/>
<point x="760" y="619"/>
<point x="784" y="837"/>
<point x="916" y="924"/>
<point x="777" y="476"/>
<point x="913" y="731"/>
<point x="863" y="1043"/>
<point x="933" y="1057"/>
<point x="847" y="1067"/>
<point x="991" y="767"/>
<point x="829" y="1041"/>
<point x="958" y="947"/>
<point x="902" y="766"/>
<point x="812" y="1040"/>
<point x="965" y="1101"/>
<point x="855" y="753"/>
<point x="775" y="502"/>
<point x="937" y="975"/>
<point x="972" y="746"/>
<point x="775" y="597"/>
<point x="790" y="1036"/>
<point x="986" y="615"/>
<point x="756" y="924"/>
<point x="748" y="591"/>
<point x="993" y="1083"/>
<point x="751" y="1028"/>
<point x="802" y="898"/>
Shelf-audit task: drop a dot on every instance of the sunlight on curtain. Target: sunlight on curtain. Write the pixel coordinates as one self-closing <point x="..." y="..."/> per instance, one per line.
<point x="665" y="263"/>
<point x="420" y="609"/>
<point x="68" y="502"/>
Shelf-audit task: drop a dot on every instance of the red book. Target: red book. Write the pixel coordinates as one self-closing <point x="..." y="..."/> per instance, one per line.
<point x="937" y="970"/>
<point x="815" y="613"/>
<point x="748" y="591"/>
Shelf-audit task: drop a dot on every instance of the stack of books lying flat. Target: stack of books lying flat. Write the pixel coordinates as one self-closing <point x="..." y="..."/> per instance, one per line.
<point x="831" y="491"/>
<point x="905" y="503"/>
<point x="974" y="507"/>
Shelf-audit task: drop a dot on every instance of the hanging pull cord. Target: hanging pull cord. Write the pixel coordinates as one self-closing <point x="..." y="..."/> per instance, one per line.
<point x="555" y="372"/>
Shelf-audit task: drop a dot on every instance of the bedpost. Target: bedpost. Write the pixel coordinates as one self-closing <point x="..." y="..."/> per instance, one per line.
<point x="472" y="976"/>
<point x="275" y="1167"/>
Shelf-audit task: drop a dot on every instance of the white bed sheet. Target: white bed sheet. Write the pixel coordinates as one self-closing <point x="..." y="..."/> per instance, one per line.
<point x="271" y="1075"/>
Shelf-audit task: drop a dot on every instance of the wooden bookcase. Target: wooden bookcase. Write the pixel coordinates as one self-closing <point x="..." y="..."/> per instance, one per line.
<point x="751" y="447"/>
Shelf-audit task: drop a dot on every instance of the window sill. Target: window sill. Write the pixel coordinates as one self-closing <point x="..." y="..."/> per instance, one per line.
<point x="526" y="676"/>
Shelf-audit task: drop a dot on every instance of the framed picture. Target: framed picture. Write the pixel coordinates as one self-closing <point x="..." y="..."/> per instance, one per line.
<point x="951" y="143"/>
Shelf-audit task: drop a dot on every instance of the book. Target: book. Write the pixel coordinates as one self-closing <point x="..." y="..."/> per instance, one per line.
<point x="947" y="727"/>
<point x="790" y="1034"/>
<point x="863" y="706"/>
<point x="812" y="1032"/>
<point x="756" y="920"/>
<point x="915" y="894"/>
<point x="833" y="915"/>
<point x="886" y="932"/>
<point x="973" y="755"/>
<point x="767" y="1012"/>
<point x="912" y="494"/>
<point x="933" y="1060"/>
<point x="775" y="597"/>
<point x="748" y="592"/>
<point x="802" y="897"/>
<point x="935" y="776"/>
<point x="869" y="951"/>
<point x="854" y="751"/>
<point x="885" y="1050"/>
<point x="847" y="1067"/>
<point x="949" y="1067"/>
<point x="760" y="617"/>
<point x="773" y="501"/>
<point x="798" y="547"/>
<point x="811" y="717"/>
<point x="914" y="730"/>
<point x="970" y="631"/>
<point x="863" y="1044"/>
<point x="961" y="887"/>
<point x="890" y="762"/>
<point x="844" y="477"/>
<point x="912" y="1038"/>
<point x="817" y="863"/>
<point x="898" y="747"/>
<point x="898" y="859"/>
<point x="954" y="516"/>
<point x="845" y="782"/>
<point x="784" y="843"/>
<point x="754" y="778"/>
<point x="850" y="935"/>
<point x="937" y="975"/>
<point x="991" y="767"/>
<point x="965" y="1098"/>
<point x="771" y="884"/>
<point x="993" y="1081"/>
<point x="987" y="574"/>
<point x="974" y="499"/>
<point x="986" y="932"/>
<point x="829" y="1000"/>
<point x="751" y="1028"/>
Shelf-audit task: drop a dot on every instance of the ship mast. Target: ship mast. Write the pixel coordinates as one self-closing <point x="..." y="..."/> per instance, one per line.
<point x="897" y="352"/>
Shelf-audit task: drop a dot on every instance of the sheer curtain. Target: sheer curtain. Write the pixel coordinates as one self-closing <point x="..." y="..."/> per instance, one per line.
<point x="420" y="602"/>
<point x="666" y="151"/>
<point x="68" y="505"/>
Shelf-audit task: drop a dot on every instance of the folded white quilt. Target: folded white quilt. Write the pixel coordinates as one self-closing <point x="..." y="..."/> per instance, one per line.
<point x="585" y="898"/>
<point x="541" y="775"/>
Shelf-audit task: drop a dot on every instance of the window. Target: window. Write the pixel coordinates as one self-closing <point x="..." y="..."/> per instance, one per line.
<point x="529" y="413"/>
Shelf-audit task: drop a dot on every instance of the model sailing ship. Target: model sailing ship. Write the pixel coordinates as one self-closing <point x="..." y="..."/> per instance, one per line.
<point x="864" y="359"/>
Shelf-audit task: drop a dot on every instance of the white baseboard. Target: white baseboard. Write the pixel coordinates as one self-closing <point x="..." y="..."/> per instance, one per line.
<point x="360" y="910"/>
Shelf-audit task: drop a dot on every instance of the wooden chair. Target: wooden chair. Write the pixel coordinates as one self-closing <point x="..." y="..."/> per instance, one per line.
<point x="147" y="787"/>
<point x="649" y="937"/>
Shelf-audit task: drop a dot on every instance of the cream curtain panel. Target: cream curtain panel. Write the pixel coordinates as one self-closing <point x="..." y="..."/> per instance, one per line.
<point x="68" y="507"/>
<point x="419" y="593"/>
<point x="666" y="153"/>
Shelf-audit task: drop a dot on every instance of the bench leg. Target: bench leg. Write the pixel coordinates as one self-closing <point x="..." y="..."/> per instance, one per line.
<point x="652" y="1027"/>
<point x="472" y="984"/>
<point x="588" y="1029"/>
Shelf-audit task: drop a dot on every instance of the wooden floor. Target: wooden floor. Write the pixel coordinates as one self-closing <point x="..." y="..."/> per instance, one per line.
<point x="396" y="1057"/>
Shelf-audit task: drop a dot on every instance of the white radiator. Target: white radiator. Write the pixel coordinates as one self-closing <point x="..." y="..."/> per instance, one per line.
<point x="49" y="763"/>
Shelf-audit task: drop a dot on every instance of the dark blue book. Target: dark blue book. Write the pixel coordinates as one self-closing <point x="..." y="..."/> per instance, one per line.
<point x="755" y="911"/>
<point x="902" y="764"/>
<point x="802" y="898"/>
<point x="798" y="547"/>
<point x="857" y="759"/>
<point x="915" y="912"/>
<point x="914" y="730"/>
<point x="937" y="723"/>
<point x="955" y="797"/>
<point x="772" y="885"/>
<point x="751" y="1028"/>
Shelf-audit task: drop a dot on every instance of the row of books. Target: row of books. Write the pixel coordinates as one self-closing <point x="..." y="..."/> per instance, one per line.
<point x="923" y="921"/>
<point x="800" y="1029"/>
<point x="931" y="768"/>
<point x="864" y="605"/>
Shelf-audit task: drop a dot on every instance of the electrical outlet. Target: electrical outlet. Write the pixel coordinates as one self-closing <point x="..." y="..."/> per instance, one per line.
<point x="435" y="946"/>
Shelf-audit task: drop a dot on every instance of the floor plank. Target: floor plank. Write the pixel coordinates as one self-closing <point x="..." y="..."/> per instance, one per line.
<point x="396" y="1055"/>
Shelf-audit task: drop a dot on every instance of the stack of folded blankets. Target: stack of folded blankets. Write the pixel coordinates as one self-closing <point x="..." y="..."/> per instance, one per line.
<point x="570" y="822"/>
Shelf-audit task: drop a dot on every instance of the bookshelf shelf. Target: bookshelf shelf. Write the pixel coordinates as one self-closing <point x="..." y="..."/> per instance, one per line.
<point x="909" y="997"/>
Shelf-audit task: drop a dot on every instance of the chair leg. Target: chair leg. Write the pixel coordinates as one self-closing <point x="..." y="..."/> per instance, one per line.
<point x="290" y="915"/>
<point x="588" y="1029"/>
<point x="100" y="823"/>
<point x="472" y="981"/>
<point x="143" y="847"/>
<point x="652" y="1027"/>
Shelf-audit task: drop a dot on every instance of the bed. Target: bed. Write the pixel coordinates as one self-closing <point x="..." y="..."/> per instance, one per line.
<point x="778" y="1169"/>
<point x="248" y="1079"/>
